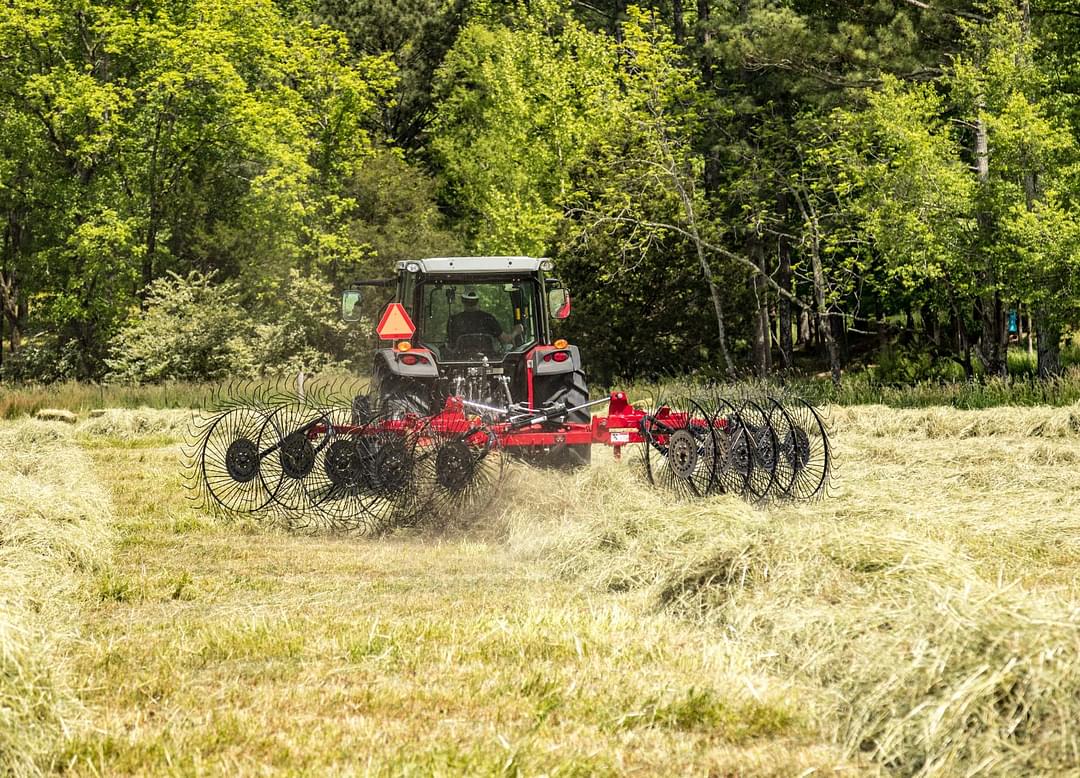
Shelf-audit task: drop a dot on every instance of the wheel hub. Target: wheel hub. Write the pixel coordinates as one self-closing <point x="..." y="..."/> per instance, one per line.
<point x="797" y="448"/>
<point x="454" y="465"/>
<point x="344" y="466"/>
<point x="390" y="468"/>
<point x="682" y="453"/>
<point x="297" y="455"/>
<point x="242" y="460"/>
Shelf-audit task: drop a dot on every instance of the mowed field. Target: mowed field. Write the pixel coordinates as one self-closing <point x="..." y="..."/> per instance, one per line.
<point x="921" y="620"/>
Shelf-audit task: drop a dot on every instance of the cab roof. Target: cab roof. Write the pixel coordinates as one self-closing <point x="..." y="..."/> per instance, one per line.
<point x="455" y="265"/>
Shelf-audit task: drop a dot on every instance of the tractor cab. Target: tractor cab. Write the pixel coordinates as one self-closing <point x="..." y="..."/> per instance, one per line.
<point x="481" y="330"/>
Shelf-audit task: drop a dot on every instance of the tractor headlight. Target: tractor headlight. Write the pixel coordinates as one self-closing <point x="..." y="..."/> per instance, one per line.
<point x="547" y="265"/>
<point x="412" y="267"/>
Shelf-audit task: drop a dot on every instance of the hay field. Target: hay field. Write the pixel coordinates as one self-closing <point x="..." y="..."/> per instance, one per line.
<point x="922" y="620"/>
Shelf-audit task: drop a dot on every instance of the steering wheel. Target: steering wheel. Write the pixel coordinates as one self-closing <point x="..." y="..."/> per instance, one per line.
<point x="476" y="343"/>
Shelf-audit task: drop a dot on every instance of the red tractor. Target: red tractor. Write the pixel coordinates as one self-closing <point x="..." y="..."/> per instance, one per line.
<point x="474" y="376"/>
<point x="480" y="329"/>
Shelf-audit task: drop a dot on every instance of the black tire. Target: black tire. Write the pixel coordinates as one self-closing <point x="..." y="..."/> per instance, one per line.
<point x="399" y="395"/>
<point x="572" y="389"/>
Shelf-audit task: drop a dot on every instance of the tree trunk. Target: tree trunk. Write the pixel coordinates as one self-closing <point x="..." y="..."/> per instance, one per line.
<point x="1049" y="345"/>
<point x="882" y="327"/>
<point x="994" y="338"/>
<point x="678" y="22"/>
<point x="10" y="307"/>
<point x="762" y="337"/>
<point x="825" y="325"/>
<point x="784" y="306"/>
<point x="963" y="347"/>
<point x="805" y="335"/>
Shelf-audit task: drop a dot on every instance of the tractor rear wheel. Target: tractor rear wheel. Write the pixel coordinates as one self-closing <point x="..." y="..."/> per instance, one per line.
<point x="572" y="389"/>
<point x="399" y="395"/>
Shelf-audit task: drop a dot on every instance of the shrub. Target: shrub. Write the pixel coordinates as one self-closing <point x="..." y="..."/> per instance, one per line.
<point x="307" y="334"/>
<point x="193" y="329"/>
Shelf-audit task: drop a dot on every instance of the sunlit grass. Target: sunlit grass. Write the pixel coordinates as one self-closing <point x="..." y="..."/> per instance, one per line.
<point x="921" y="620"/>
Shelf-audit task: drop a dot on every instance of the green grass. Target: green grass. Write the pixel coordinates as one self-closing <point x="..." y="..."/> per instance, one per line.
<point x="861" y="388"/>
<point x="26" y="399"/>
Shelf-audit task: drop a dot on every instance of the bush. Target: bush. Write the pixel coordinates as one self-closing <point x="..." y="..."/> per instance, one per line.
<point x="193" y="329"/>
<point x="44" y="358"/>
<point x="308" y="334"/>
<point x="899" y="365"/>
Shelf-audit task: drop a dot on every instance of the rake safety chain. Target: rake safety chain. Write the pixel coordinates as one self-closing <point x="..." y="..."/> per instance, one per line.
<point x="326" y="459"/>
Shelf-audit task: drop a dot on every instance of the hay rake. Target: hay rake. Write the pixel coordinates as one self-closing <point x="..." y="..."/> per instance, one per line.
<point x="325" y="459"/>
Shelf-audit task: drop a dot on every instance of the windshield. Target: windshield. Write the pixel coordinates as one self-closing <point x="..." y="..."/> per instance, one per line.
<point x="468" y="318"/>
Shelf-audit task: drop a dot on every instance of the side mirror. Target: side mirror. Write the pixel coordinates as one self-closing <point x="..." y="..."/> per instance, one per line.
<point x="559" y="303"/>
<point x="350" y="304"/>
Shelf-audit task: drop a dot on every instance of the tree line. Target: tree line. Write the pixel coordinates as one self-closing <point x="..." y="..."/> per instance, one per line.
<point x="763" y="185"/>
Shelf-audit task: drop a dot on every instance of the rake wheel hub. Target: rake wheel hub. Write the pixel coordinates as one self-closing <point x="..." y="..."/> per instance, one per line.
<point x="797" y="448"/>
<point x="682" y="454"/>
<point x="344" y="467"/>
<point x="297" y="456"/>
<point x="454" y="465"/>
<point x="390" y="468"/>
<point x="242" y="460"/>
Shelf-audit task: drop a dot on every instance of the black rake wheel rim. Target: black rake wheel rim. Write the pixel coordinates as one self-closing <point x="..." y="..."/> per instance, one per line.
<point x="229" y="461"/>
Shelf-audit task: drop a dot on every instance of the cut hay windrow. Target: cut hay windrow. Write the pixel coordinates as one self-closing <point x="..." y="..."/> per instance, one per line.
<point x="54" y="530"/>
<point x="925" y="614"/>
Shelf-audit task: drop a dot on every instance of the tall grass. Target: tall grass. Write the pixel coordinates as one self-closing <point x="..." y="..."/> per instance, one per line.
<point x="18" y="400"/>
<point x="862" y="389"/>
<point x="54" y="528"/>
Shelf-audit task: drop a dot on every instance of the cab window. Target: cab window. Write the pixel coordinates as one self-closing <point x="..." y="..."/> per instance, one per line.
<point x="465" y="317"/>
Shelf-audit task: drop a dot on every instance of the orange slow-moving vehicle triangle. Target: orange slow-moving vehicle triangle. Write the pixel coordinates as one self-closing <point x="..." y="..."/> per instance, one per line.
<point x="395" y="323"/>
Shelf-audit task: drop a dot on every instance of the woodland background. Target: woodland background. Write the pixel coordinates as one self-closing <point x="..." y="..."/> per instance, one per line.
<point x="727" y="187"/>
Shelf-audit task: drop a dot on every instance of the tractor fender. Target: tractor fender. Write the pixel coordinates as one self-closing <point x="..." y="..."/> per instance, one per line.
<point x="391" y="360"/>
<point x="540" y="367"/>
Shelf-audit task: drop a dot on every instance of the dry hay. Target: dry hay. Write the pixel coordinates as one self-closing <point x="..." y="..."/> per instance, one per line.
<point x="54" y="528"/>
<point x="940" y="422"/>
<point x="924" y="614"/>
<point x="127" y="424"/>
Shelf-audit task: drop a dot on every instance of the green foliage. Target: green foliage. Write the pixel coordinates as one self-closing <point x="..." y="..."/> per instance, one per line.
<point x="308" y="334"/>
<point x="811" y="159"/>
<point x="193" y="329"/>
<point x="910" y="365"/>
<point x="517" y="108"/>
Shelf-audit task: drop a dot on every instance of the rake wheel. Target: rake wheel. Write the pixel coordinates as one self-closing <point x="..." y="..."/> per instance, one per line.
<point x="391" y="491"/>
<point x="680" y="452"/>
<point x="293" y="445"/>
<point x="761" y="451"/>
<point x="788" y="459"/>
<point x="227" y="458"/>
<point x="735" y="461"/>
<point x="809" y="451"/>
<point x="463" y="465"/>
